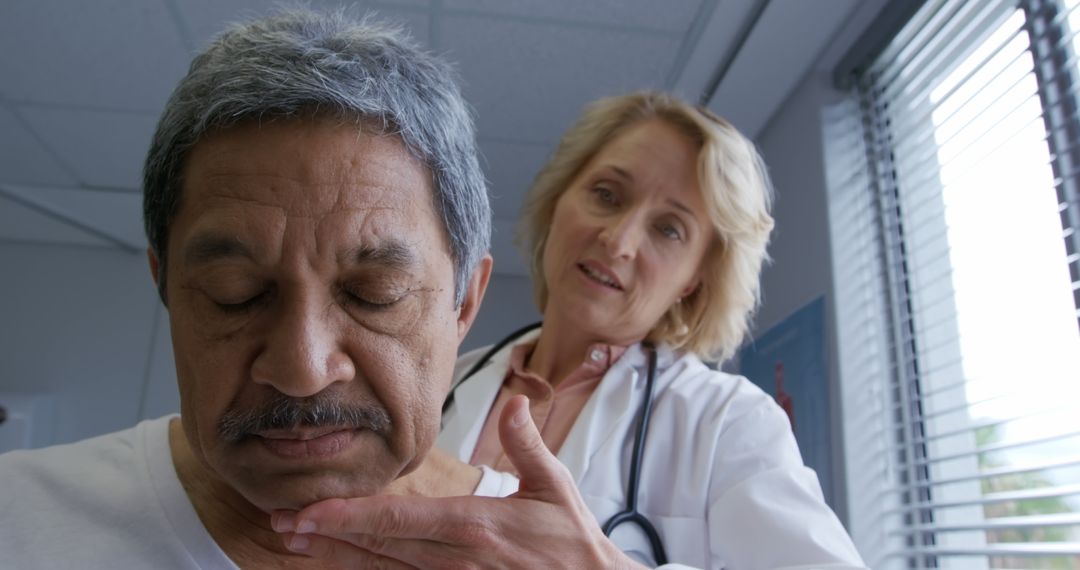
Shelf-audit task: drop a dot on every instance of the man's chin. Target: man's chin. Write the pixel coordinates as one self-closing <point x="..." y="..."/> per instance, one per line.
<point x="291" y="475"/>
<point x="296" y="491"/>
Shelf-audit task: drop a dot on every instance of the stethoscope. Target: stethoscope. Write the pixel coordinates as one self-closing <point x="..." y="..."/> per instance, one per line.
<point x="630" y="514"/>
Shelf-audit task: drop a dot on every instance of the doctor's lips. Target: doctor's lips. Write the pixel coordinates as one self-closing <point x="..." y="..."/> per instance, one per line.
<point x="318" y="425"/>
<point x="600" y="274"/>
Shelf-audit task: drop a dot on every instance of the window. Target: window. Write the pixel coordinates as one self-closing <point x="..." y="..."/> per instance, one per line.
<point x="953" y="175"/>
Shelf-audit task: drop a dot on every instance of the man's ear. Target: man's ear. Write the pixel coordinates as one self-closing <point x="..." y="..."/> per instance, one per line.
<point x="154" y="266"/>
<point x="470" y="306"/>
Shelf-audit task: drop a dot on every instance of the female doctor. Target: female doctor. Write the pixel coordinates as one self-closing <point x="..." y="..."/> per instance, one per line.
<point x="647" y="232"/>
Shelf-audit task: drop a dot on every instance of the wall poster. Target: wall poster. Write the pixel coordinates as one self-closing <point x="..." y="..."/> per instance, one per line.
<point x="788" y="362"/>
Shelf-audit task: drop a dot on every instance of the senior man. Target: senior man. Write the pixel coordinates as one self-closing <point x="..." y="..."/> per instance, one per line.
<point x="318" y="229"/>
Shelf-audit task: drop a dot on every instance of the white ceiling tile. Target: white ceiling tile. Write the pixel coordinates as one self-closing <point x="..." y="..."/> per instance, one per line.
<point x="22" y="224"/>
<point x="789" y="37"/>
<point x="528" y="82"/>
<point x="528" y="67"/>
<point x="114" y="216"/>
<point x="671" y="16"/>
<point x="417" y="22"/>
<point x="118" y="214"/>
<point x="382" y="4"/>
<point x="717" y="38"/>
<point x="23" y="160"/>
<point x="860" y="18"/>
<point x="104" y="148"/>
<point x="205" y="19"/>
<point x="108" y="53"/>
<point x="510" y="168"/>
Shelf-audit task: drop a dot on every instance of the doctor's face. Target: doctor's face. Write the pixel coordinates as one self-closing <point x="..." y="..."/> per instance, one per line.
<point x="311" y="299"/>
<point x="628" y="236"/>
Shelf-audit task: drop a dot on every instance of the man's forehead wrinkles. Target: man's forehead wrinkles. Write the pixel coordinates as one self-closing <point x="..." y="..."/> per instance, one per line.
<point x="211" y="246"/>
<point x="243" y="182"/>
<point x="242" y="199"/>
<point x="360" y="200"/>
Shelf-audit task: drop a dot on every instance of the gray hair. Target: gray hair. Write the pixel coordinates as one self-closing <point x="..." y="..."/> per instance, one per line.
<point x="300" y="62"/>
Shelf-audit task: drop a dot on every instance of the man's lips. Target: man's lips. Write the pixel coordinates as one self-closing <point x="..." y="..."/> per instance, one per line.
<point x="301" y="433"/>
<point x="303" y="443"/>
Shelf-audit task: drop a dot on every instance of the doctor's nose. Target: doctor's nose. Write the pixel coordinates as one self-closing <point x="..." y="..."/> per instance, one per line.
<point x="303" y="353"/>
<point x="622" y="237"/>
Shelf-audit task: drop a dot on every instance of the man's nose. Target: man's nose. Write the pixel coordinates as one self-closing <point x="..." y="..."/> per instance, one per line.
<point x="304" y="351"/>
<point x="622" y="236"/>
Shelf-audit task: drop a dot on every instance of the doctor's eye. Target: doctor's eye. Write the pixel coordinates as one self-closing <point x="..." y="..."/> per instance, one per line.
<point x="670" y="231"/>
<point x="604" y="195"/>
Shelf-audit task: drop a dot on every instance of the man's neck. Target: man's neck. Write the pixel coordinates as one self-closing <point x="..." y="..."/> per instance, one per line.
<point x="240" y="528"/>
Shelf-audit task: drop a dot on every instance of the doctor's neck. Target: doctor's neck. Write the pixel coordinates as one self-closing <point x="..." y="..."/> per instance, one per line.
<point x="562" y="347"/>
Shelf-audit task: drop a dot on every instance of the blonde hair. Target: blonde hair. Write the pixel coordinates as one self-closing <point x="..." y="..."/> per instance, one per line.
<point x="712" y="320"/>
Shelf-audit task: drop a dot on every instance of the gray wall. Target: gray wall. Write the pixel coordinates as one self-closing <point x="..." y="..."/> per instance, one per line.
<point x="791" y="146"/>
<point x="507" y="307"/>
<point x="80" y="326"/>
<point x="802" y="264"/>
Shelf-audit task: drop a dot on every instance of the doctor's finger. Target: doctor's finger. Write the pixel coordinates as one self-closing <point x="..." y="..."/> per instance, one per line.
<point x="450" y="521"/>
<point x="345" y="553"/>
<point x="541" y="473"/>
<point x="479" y="553"/>
<point x="470" y="532"/>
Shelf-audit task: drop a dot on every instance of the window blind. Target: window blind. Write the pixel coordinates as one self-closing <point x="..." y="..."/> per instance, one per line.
<point x="952" y="173"/>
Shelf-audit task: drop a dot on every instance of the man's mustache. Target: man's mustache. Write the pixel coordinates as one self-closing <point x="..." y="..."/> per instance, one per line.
<point x="320" y="410"/>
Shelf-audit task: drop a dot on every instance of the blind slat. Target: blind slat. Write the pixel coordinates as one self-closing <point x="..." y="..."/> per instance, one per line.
<point x="992" y="498"/>
<point x="1000" y="549"/>
<point x="1001" y="523"/>
<point x="1047" y="465"/>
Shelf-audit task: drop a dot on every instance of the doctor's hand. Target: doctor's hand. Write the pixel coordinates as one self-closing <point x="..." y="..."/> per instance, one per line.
<point x="546" y="524"/>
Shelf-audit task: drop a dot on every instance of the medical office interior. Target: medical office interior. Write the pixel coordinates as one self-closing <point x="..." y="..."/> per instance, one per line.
<point x="920" y="314"/>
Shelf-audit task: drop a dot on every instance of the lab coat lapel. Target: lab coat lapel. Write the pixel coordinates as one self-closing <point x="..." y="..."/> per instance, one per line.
<point x="610" y="407"/>
<point x="472" y="401"/>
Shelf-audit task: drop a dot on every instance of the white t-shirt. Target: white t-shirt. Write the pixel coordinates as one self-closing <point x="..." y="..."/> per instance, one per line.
<point x="112" y="501"/>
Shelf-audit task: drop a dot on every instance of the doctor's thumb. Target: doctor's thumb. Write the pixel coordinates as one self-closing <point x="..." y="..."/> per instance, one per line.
<point x="538" y="469"/>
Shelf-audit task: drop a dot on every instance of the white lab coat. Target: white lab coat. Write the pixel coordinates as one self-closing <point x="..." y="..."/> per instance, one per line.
<point x="722" y="479"/>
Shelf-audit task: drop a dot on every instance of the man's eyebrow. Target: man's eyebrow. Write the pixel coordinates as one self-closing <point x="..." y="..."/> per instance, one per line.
<point x="212" y="247"/>
<point x="395" y="254"/>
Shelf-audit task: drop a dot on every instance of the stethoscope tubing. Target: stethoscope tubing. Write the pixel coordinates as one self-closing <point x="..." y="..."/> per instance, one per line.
<point x="630" y="514"/>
